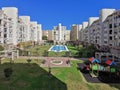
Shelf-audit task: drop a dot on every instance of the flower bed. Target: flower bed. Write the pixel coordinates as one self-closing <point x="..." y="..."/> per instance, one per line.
<point x="57" y="62"/>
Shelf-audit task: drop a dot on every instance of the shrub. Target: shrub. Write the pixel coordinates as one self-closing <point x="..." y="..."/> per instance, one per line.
<point x="28" y="60"/>
<point x="43" y="61"/>
<point x="8" y="72"/>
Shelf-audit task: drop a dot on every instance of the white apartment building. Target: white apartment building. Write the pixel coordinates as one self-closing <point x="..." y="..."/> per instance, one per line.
<point x="90" y="28"/>
<point x="104" y="13"/>
<point x="33" y="27"/>
<point x="74" y="33"/>
<point x="60" y="33"/>
<point x="67" y="35"/>
<point x="12" y="13"/>
<point x="21" y="34"/>
<point x="111" y="28"/>
<point x="4" y="28"/>
<point x="94" y="31"/>
<point x="39" y="32"/>
<point x="36" y="31"/>
<point x="84" y="29"/>
<point x="103" y="31"/>
<point x="26" y="21"/>
<point x="14" y="29"/>
<point x="49" y="34"/>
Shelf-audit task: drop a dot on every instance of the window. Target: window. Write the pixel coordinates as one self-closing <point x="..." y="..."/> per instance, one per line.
<point x="5" y="29"/>
<point x="110" y="44"/>
<point x="110" y="25"/>
<point x="115" y="25"/>
<point x="5" y="35"/>
<point x="110" y="37"/>
<point x="110" y="32"/>
<point x="115" y="32"/>
<point x="105" y="42"/>
<point x="0" y="21"/>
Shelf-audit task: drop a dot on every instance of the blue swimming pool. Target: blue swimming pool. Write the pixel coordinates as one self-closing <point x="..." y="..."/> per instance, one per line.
<point x="58" y="48"/>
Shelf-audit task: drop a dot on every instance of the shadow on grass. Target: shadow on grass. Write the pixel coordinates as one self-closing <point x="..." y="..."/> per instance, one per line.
<point x="29" y="77"/>
<point x="104" y="77"/>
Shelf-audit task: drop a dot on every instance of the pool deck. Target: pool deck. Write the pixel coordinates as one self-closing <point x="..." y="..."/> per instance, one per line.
<point x="66" y="49"/>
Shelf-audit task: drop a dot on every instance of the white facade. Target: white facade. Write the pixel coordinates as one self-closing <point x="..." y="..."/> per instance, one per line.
<point x="12" y="12"/>
<point x="4" y="28"/>
<point x="103" y="32"/>
<point x="34" y="32"/>
<point x="60" y="33"/>
<point x="104" y="13"/>
<point x="84" y="30"/>
<point x="39" y="32"/>
<point x="26" y="20"/>
<point x="91" y="21"/>
<point x="75" y="30"/>
<point x="21" y="34"/>
<point x="14" y="29"/>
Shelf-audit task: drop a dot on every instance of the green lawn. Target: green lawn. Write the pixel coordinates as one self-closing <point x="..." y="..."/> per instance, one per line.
<point x="33" y="77"/>
<point x="39" y="50"/>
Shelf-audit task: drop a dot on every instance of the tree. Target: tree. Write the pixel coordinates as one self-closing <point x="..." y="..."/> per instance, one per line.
<point x="8" y="72"/>
<point x="80" y="52"/>
<point x="88" y="51"/>
<point x="28" y="60"/>
<point x="44" y="37"/>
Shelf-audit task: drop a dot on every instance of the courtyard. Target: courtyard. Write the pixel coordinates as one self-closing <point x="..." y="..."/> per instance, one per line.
<point x="34" y="75"/>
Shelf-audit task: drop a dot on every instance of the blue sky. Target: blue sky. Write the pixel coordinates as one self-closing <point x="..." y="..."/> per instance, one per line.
<point x="51" y="12"/>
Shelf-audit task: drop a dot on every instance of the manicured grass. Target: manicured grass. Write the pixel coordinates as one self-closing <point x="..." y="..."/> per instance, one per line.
<point x="73" y="50"/>
<point x="41" y="49"/>
<point x="33" y="77"/>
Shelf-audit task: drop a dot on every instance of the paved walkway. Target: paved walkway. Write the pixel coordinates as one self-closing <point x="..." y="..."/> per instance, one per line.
<point x="49" y="60"/>
<point x="35" y="57"/>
